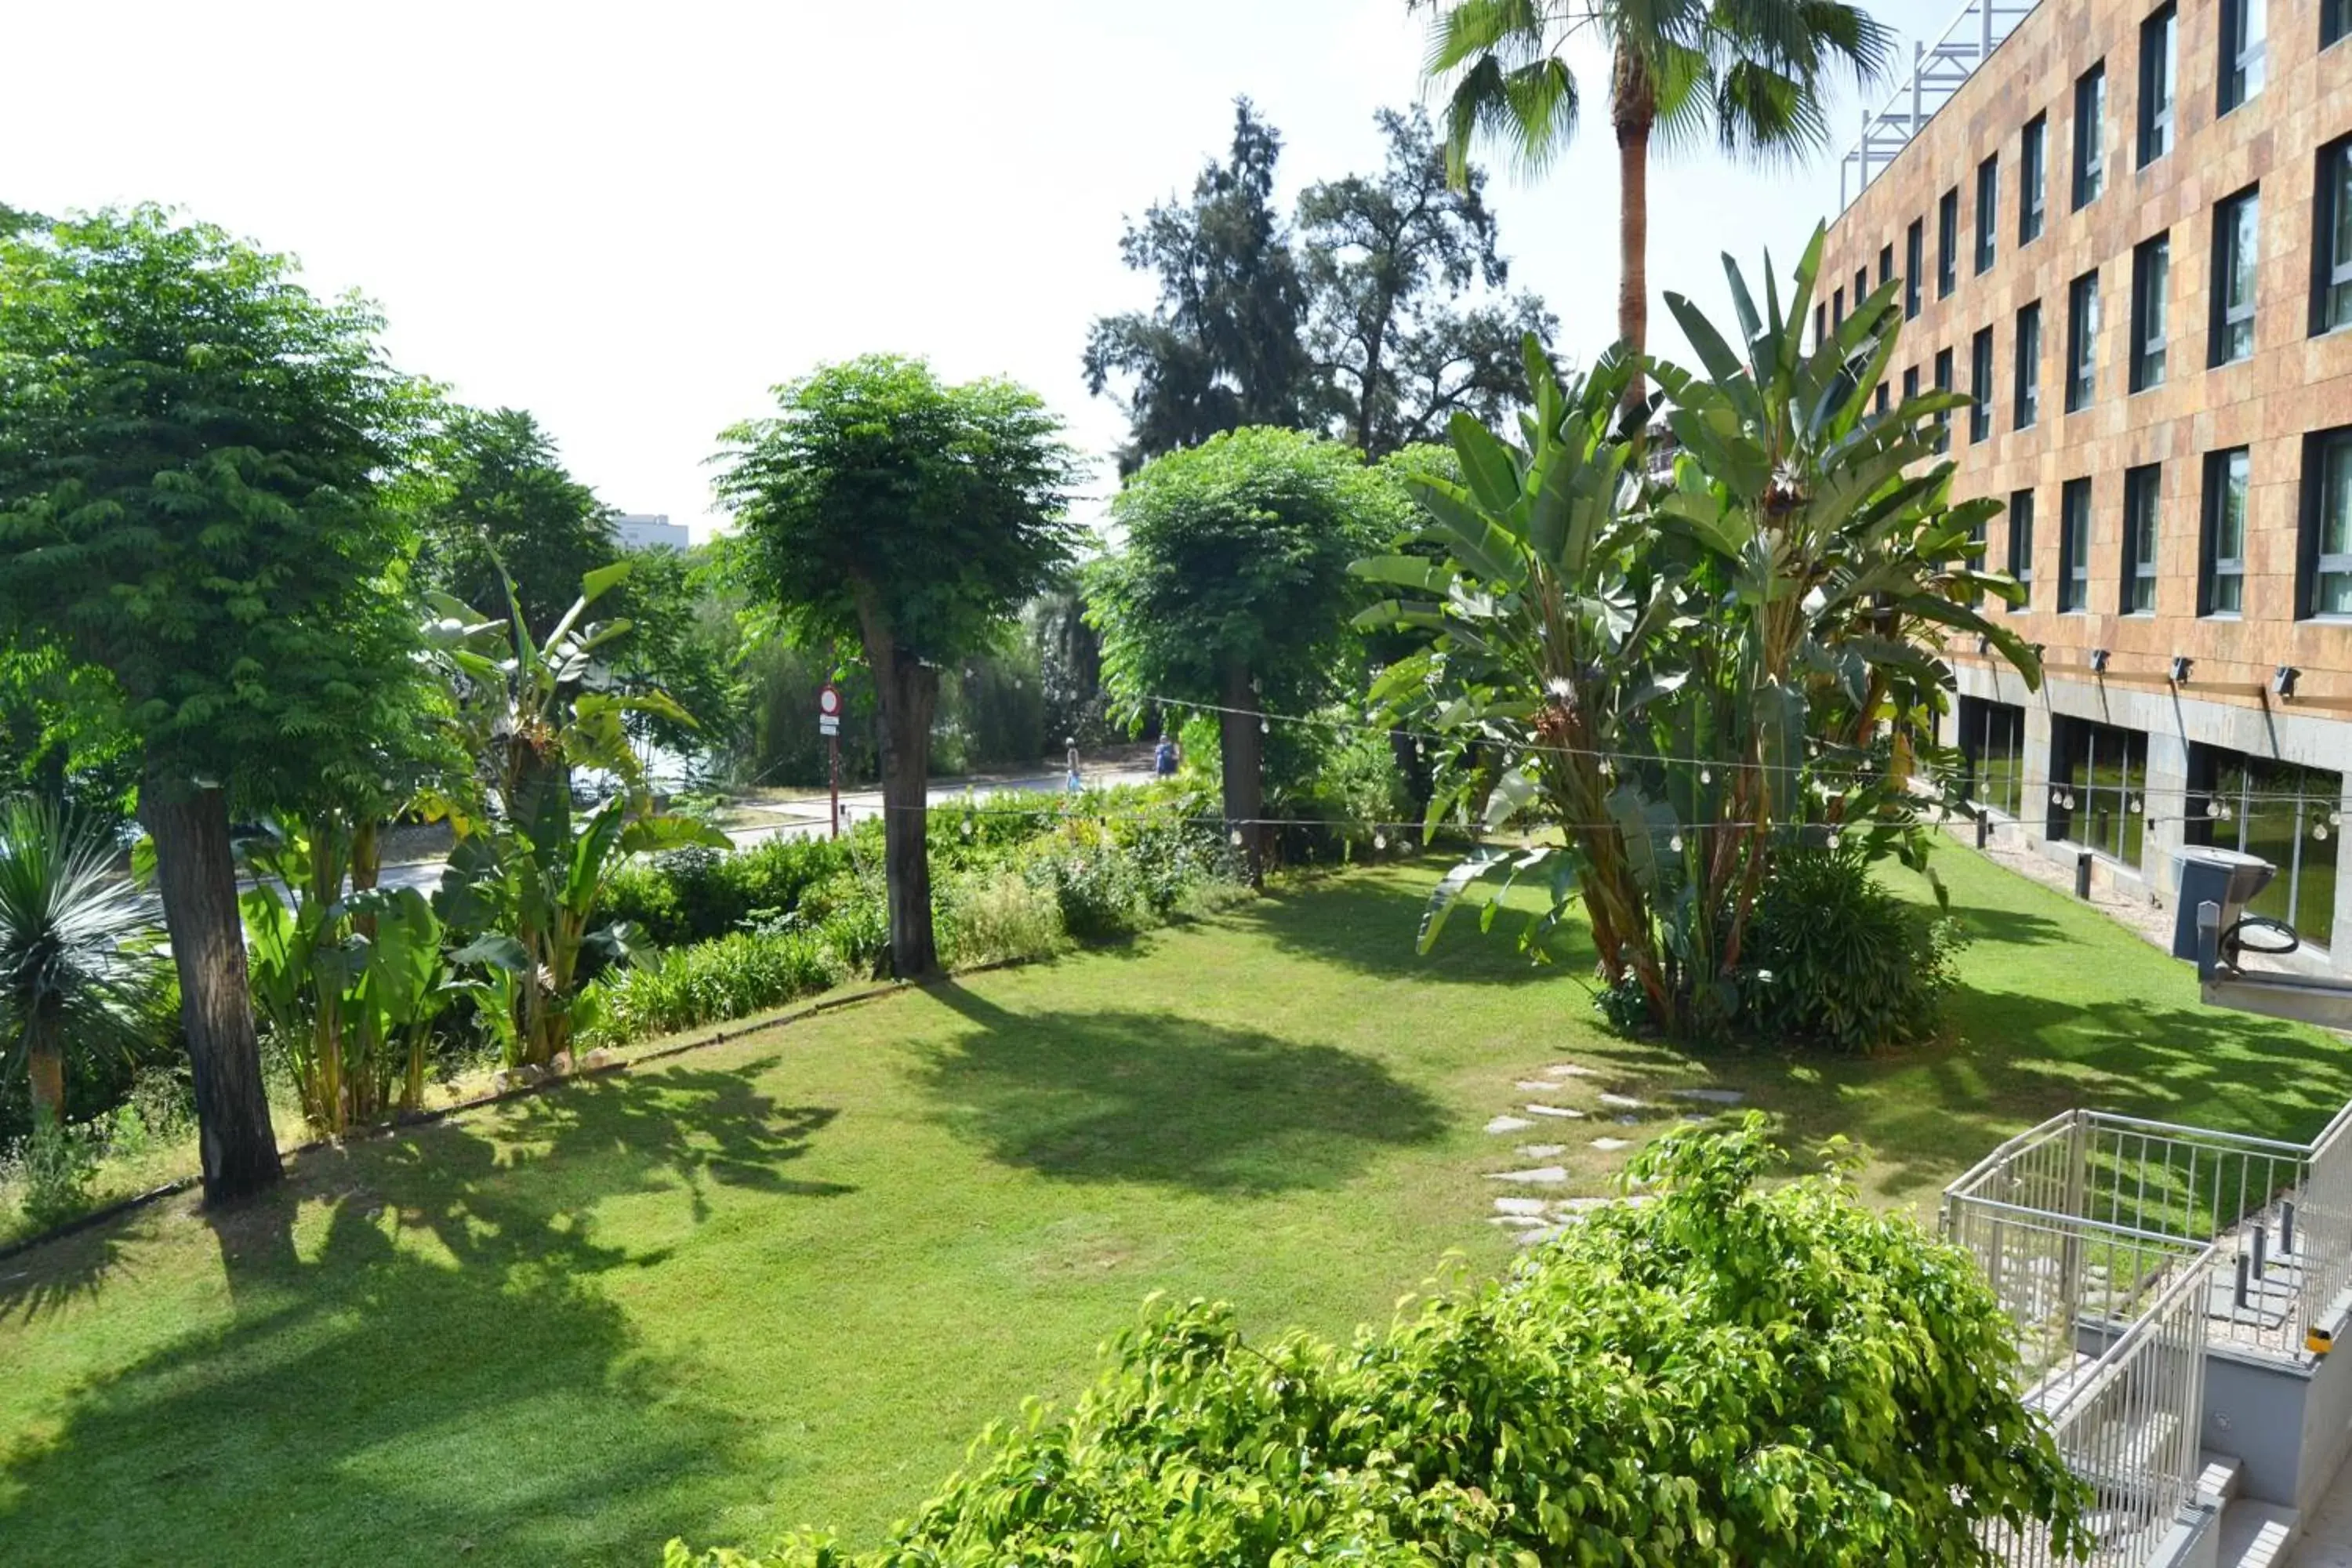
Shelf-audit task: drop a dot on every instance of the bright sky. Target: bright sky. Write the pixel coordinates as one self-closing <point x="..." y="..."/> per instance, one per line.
<point x="634" y="221"/>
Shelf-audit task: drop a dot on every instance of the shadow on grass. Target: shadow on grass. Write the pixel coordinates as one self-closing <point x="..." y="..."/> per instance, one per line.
<point x="1370" y="921"/>
<point x="1111" y="1096"/>
<point x="430" y="1370"/>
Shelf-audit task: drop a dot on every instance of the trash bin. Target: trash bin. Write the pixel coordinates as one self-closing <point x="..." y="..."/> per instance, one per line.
<point x="2221" y="877"/>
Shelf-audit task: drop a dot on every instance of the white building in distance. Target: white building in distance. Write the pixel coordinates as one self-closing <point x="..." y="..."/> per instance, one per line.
<point x="648" y="531"/>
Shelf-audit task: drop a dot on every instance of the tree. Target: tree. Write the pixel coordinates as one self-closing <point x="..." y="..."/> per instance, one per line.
<point x="683" y="642"/>
<point x="1746" y="74"/>
<point x="1232" y="587"/>
<point x="886" y="507"/>
<point x="1223" y="348"/>
<point x="1685" y="677"/>
<point x="503" y="501"/>
<point x="1388" y="258"/>
<point x="194" y="452"/>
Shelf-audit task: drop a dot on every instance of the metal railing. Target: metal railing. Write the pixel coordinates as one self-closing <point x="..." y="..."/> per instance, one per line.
<point x="1936" y="71"/>
<point x="2325" y="1215"/>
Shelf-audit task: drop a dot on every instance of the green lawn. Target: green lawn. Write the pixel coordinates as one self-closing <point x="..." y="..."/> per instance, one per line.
<point x="785" y="1281"/>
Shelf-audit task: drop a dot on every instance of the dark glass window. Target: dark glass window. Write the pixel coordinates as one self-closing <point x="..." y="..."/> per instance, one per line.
<point x="1911" y="383"/>
<point x="2143" y="494"/>
<point x="2156" y="43"/>
<point x="1944" y="383"/>
<point x="2244" y="51"/>
<point x="2090" y="134"/>
<point x="2151" y="275"/>
<point x="2025" y="405"/>
<point x="2081" y="341"/>
<point x="2221" y="545"/>
<point x="1992" y="741"/>
<point x="2331" y="239"/>
<point x="2020" y="543"/>
<point x="2075" y="545"/>
<point x="1885" y="265"/>
<point x="1948" y="243"/>
<point x="1837" y="307"/>
<point x="2033" y="175"/>
<point x="2237" y="226"/>
<point x="1861" y="286"/>
<point x="1821" y="324"/>
<point x="1884" y="400"/>
<point x="1980" y="385"/>
<point x="2285" y="814"/>
<point x="1915" y="261"/>
<point x="1988" y="210"/>
<point x="2098" y="787"/>
<point x="2334" y="21"/>
<point x="2324" y="564"/>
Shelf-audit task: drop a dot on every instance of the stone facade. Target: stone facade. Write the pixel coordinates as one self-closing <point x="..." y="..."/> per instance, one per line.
<point x="2294" y="385"/>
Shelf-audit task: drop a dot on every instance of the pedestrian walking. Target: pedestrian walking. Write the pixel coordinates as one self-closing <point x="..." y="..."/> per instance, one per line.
<point x="1070" y="745"/>
<point x="1165" y="756"/>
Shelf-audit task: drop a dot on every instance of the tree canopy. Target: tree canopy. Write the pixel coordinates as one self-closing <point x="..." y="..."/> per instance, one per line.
<point x="502" y="497"/>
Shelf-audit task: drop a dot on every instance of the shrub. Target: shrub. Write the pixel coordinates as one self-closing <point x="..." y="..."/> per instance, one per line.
<point x="51" y="1171"/>
<point x="1724" y="1376"/>
<point x="1097" y="888"/>
<point x="694" y="895"/>
<point x="708" y="983"/>
<point x="1840" y="960"/>
<point x="997" y="919"/>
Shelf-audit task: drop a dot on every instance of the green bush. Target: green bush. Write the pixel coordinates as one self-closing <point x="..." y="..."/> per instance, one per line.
<point x="708" y="983"/>
<point x="998" y="917"/>
<point x="1839" y="961"/>
<point x="1097" y="888"/>
<point x="1724" y="1376"/>
<point x="694" y="895"/>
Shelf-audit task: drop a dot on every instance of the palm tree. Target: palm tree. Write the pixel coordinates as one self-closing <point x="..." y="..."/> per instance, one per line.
<point x="77" y="967"/>
<point x="1745" y="74"/>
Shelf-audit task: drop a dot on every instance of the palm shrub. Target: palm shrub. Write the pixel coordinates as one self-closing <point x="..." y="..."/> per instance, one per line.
<point x="1840" y="960"/>
<point x="1726" y="1375"/>
<point x="708" y="983"/>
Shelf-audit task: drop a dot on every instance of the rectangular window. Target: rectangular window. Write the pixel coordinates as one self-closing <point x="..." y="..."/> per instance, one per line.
<point x="2033" y="175"/>
<point x="1988" y="210"/>
<point x="2334" y="21"/>
<point x="1915" y="261"/>
<point x="2075" y="545"/>
<point x="2331" y="239"/>
<point x="1911" y="383"/>
<point x="2283" y="812"/>
<point x="2081" y="341"/>
<point x="1861" y="286"/>
<point x="1884" y="399"/>
<point x="2221" y="549"/>
<point x="2237" y="224"/>
<point x="2020" y="543"/>
<point x="2151" y="275"/>
<point x="1837" y="307"/>
<point x="2143" y="491"/>
<point x="1885" y="265"/>
<point x="2324" y="543"/>
<point x="1948" y="243"/>
<point x="1981" y="386"/>
<point x="2025" y="405"/>
<point x="2156" y="73"/>
<point x="2244" y="51"/>
<point x="1944" y="383"/>
<point x="2090" y="135"/>
<point x="2098" y="787"/>
<point x="1992" y="741"/>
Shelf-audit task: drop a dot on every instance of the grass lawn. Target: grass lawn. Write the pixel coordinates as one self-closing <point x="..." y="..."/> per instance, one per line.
<point x="784" y="1280"/>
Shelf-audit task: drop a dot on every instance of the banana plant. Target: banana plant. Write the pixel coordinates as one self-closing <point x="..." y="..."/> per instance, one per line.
<point x="531" y="868"/>
<point x="1689" y="666"/>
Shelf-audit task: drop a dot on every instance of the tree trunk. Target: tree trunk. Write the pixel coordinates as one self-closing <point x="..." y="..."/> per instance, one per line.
<point x="1412" y="766"/>
<point x="1633" y="109"/>
<point x="45" y="1059"/>
<point x="1241" y="745"/>
<point x="197" y="878"/>
<point x="908" y="690"/>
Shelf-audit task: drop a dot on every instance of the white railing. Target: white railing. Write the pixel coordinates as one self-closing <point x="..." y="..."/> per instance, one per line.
<point x="2325" y="1217"/>
<point x="1936" y="71"/>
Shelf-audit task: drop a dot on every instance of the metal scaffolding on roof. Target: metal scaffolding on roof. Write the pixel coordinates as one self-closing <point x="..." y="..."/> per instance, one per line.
<point x="1937" y="69"/>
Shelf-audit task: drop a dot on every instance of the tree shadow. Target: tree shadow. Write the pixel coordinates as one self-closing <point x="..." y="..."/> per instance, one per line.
<point x="56" y="1274"/>
<point x="419" y="1360"/>
<point x="1111" y="1096"/>
<point x="1369" y="922"/>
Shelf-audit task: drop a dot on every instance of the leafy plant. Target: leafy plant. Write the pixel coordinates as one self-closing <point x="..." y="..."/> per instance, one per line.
<point x="708" y="983"/>
<point x="1841" y="960"/>
<point x="999" y="917"/>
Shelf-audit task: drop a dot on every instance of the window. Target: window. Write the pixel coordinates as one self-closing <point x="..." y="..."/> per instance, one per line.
<point x="2156" y="73"/>
<point x="2074" y="546"/>
<point x="1981" y="386"/>
<point x="2098" y="787"/>
<point x="2244" y="51"/>
<point x="2331" y="239"/>
<point x="1821" y="325"/>
<point x="1915" y="261"/>
<point x="1992" y="743"/>
<point x="2032" y="175"/>
<point x="2143" y="490"/>
<point x="1885" y="265"/>
<point x="1943" y="384"/>
<point x="2334" y="21"/>
<point x="2151" y="273"/>
<point x="1988" y="210"/>
<point x="1861" y="286"/>
<point x="2323" y="545"/>
<point x="2090" y="135"/>
<point x="1884" y="400"/>
<point x="2221" y="550"/>
<point x="2285" y="814"/>
<point x="2081" y="341"/>
<point x="1948" y="243"/>
<point x="1911" y="383"/>
<point x="1837" y="307"/>
<point x="2236" y="223"/>
<point x="2020" y="543"/>
<point x="2025" y="407"/>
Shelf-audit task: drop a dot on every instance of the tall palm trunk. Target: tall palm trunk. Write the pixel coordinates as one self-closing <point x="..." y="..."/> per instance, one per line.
<point x="44" y="1059"/>
<point x="1633" y="110"/>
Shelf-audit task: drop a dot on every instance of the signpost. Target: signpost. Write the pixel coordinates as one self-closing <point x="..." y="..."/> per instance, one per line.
<point x="828" y="724"/>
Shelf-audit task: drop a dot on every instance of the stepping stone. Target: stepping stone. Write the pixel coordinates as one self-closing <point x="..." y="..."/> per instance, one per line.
<point x="1509" y="1124"/>
<point x="1520" y="1208"/>
<point x="1543" y="1150"/>
<point x="1610" y="1145"/>
<point x="1542" y="1176"/>
<point x="1519" y="1222"/>
<point x="1538" y="1238"/>
<point x="1536" y="1085"/>
<point x="1569" y="1069"/>
<point x="1712" y="1096"/>
<point x="1559" y="1111"/>
<point x="1621" y="1102"/>
<point x="1636" y="1121"/>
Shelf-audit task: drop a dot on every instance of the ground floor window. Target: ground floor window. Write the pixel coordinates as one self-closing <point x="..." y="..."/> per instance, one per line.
<point x="2287" y="814"/>
<point x="2098" y="783"/>
<point x="1992" y="739"/>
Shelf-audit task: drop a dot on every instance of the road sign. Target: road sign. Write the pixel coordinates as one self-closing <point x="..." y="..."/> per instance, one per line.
<point x="828" y="702"/>
<point x="828" y="725"/>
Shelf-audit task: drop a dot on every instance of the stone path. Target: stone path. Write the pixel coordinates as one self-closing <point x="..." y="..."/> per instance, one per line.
<point x="1533" y="1220"/>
